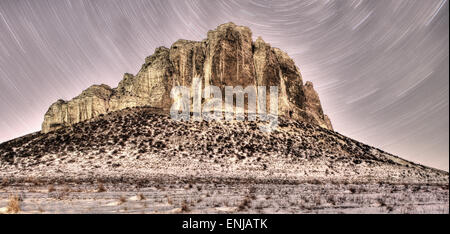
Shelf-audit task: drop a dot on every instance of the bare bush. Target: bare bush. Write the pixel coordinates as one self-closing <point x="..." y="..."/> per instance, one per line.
<point x="184" y="206"/>
<point x="13" y="206"/>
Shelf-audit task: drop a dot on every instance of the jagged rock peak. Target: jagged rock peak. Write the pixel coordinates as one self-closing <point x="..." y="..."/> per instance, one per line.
<point x="227" y="57"/>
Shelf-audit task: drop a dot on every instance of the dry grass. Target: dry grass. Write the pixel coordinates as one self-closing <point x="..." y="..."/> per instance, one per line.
<point x="51" y="188"/>
<point x="61" y="195"/>
<point x="13" y="206"/>
<point x="101" y="188"/>
<point x="32" y="180"/>
<point x="67" y="190"/>
<point x="244" y="204"/>
<point x="5" y="181"/>
<point x="140" y="196"/>
<point x="122" y="200"/>
<point x="185" y="206"/>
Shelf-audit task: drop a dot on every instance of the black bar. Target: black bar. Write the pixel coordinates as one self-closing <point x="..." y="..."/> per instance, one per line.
<point x="173" y="223"/>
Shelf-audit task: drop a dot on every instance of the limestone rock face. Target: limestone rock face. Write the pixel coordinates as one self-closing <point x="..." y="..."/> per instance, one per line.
<point x="90" y="103"/>
<point x="313" y="106"/>
<point x="227" y="57"/>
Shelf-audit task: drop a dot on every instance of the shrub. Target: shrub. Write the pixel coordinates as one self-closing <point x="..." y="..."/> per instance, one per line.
<point x="122" y="200"/>
<point x="184" y="206"/>
<point x="101" y="188"/>
<point x="140" y="196"/>
<point x="13" y="206"/>
<point x="244" y="204"/>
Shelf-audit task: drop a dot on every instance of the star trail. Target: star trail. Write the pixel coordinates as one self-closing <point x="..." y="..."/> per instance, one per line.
<point x="380" y="67"/>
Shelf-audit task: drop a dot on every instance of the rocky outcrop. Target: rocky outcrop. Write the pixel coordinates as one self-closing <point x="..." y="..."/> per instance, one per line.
<point x="90" y="103"/>
<point x="228" y="57"/>
<point x="313" y="106"/>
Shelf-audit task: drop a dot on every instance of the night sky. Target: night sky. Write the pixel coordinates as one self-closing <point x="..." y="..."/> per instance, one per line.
<point x="380" y="67"/>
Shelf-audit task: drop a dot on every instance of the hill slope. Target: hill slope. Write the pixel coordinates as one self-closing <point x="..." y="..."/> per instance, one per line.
<point x="143" y="142"/>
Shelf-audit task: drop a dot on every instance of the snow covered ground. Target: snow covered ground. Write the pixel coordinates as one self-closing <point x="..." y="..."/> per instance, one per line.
<point x="239" y="197"/>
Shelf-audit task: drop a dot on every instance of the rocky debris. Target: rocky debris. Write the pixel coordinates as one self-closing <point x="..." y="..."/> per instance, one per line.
<point x="227" y="57"/>
<point x="141" y="142"/>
